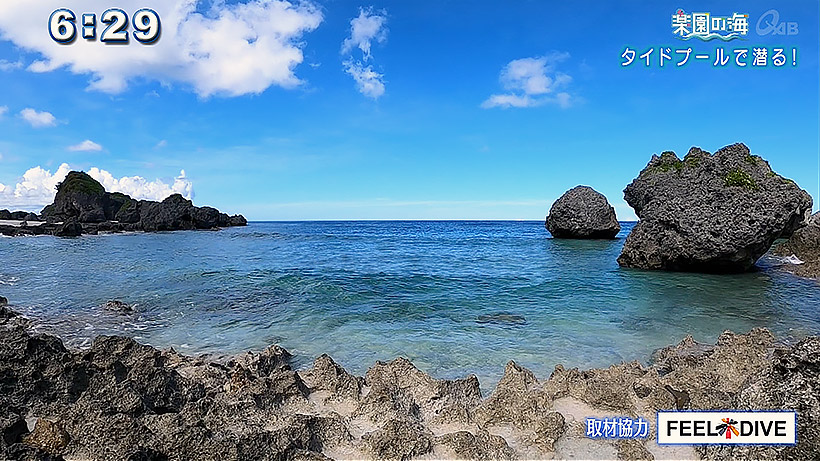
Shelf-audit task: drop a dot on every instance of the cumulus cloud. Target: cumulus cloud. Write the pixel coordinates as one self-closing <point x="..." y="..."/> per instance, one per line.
<point x="140" y="188"/>
<point x="365" y="29"/>
<point x="38" y="119"/>
<point x="369" y="82"/>
<point x="531" y="82"/>
<point x="231" y="49"/>
<point x="86" y="146"/>
<point x="38" y="186"/>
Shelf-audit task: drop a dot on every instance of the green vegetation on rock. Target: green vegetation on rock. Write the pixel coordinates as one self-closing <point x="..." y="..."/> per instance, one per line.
<point x="670" y="162"/>
<point x="740" y="178"/>
<point x="79" y="181"/>
<point x="125" y="200"/>
<point x="753" y="159"/>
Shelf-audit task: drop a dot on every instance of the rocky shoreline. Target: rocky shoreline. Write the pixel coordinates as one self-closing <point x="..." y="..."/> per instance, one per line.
<point x="120" y="399"/>
<point x="82" y="206"/>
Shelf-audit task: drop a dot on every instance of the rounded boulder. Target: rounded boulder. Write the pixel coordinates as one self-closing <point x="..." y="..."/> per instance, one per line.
<point x="582" y="213"/>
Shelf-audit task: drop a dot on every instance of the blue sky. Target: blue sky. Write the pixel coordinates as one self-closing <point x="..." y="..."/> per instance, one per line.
<point x="311" y="144"/>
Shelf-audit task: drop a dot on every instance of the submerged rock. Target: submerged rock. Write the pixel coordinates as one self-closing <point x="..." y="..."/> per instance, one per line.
<point x="709" y="212"/>
<point x="582" y="213"/>
<point x="119" y="306"/>
<point x="122" y="400"/>
<point x="503" y="318"/>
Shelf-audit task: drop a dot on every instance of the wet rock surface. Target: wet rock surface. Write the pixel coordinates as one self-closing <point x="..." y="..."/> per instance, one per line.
<point x="122" y="400"/>
<point x="805" y="245"/>
<point x="582" y="213"/>
<point x="118" y="306"/>
<point x="709" y="212"/>
<point x="82" y="206"/>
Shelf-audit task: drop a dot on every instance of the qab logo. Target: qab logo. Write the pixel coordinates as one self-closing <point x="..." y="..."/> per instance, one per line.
<point x="728" y="427"/>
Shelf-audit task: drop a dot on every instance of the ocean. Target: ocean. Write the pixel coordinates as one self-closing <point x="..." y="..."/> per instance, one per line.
<point x="455" y="297"/>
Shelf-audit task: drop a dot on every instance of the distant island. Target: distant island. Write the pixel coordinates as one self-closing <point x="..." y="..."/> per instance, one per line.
<point x="83" y="206"/>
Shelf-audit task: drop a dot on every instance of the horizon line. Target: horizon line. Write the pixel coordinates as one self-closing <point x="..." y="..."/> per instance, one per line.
<point x="404" y="220"/>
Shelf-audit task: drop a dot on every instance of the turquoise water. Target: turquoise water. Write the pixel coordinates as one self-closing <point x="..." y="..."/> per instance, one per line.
<point x="455" y="297"/>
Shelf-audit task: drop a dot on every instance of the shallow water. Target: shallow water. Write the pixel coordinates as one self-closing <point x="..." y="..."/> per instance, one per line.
<point x="454" y="297"/>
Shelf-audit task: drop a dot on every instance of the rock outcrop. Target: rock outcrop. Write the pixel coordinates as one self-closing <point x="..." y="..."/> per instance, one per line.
<point x="122" y="400"/>
<point x="805" y="245"/>
<point x="582" y="213"/>
<point x="18" y="216"/>
<point x="710" y="212"/>
<point x="82" y="206"/>
<point x="79" y="196"/>
<point x="70" y="228"/>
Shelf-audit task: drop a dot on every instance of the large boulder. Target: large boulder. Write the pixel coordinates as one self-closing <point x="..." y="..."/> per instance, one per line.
<point x="709" y="212"/>
<point x="582" y="213"/>
<point x="78" y="196"/>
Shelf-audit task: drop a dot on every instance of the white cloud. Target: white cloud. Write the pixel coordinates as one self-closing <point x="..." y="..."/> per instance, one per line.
<point x="38" y="119"/>
<point x="86" y="146"/>
<point x="369" y="82"/>
<point x="230" y="49"/>
<point x="532" y="82"/>
<point x="140" y="188"/>
<point x="161" y="144"/>
<point x="38" y="186"/>
<point x="3" y="110"/>
<point x="509" y="100"/>
<point x="6" y="65"/>
<point x="365" y="29"/>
